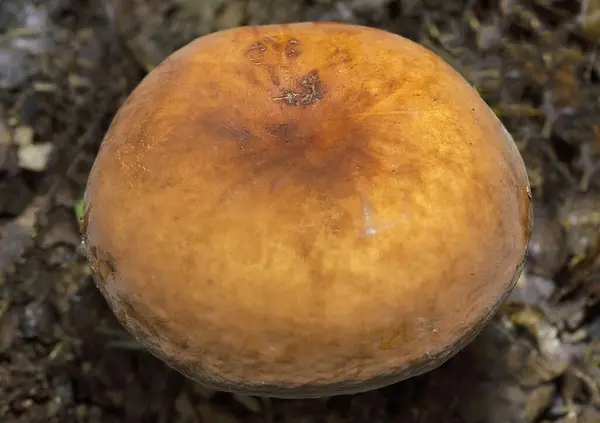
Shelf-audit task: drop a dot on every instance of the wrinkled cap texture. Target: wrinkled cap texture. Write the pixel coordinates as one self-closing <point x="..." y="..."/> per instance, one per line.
<point x="305" y="210"/>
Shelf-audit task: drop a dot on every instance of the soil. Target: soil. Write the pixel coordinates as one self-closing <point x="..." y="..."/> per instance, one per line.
<point x="66" y="65"/>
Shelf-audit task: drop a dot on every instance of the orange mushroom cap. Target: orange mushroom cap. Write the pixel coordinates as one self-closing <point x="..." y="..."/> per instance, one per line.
<point x="305" y="210"/>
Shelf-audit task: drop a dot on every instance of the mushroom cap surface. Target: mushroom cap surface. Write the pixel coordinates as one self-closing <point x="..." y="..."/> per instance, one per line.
<point x="305" y="210"/>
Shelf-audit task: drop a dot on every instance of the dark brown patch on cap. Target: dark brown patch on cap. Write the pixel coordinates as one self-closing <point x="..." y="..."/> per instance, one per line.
<point x="271" y="51"/>
<point x="292" y="49"/>
<point x="241" y="135"/>
<point x="283" y="132"/>
<point x="310" y="90"/>
<point x="273" y="75"/>
<point x="256" y="52"/>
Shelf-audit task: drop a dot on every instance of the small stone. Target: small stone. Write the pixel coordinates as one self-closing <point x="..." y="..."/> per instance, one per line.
<point x="35" y="157"/>
<point x="17" y="234"/>
<point x="14" y="68"/>
<point x="546" y="253"/>
<point x="489" y="37"/>
<point x="580" y="218"/>
<point x="23" y="136"/>
<point x="532" y="289"/>
<point x="37" y="321"/>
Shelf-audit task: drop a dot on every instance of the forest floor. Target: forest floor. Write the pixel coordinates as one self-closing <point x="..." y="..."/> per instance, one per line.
<point x="66" y="65"/>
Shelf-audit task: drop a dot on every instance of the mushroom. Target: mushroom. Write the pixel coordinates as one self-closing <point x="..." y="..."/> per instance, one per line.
<point x="305" y="210"/>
